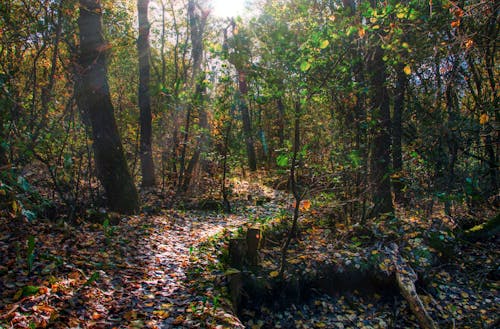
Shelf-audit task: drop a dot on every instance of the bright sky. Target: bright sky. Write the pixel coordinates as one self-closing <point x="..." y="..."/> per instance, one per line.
<point x="228" y="8"/>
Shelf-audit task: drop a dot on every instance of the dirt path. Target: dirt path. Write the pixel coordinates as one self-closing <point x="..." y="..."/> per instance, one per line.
<point x="132" y="275"/>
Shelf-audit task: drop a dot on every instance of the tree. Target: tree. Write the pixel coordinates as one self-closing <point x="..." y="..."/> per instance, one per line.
<point x="147" y="164"/>
<point x="197" y="22"/>
<point x="380" y="158"/>
<point x="93" y="99"/>
<point x="240" y="58"/>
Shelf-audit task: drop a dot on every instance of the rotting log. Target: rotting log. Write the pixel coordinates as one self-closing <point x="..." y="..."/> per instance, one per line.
<point x="253" y="239"/>
<point x="406" y="277"/>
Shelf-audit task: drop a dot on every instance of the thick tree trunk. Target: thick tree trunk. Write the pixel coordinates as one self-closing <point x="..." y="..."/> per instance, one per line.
<point x="380" y="155"/>
<point x="94" y="101"/>
<point x="147" y="164"/>
<point x="397" y="133"/>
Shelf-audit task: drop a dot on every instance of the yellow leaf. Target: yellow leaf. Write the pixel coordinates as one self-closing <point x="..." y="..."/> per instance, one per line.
<point x="274" y="274"/>
<point x="400" y="15"/>
<point x="15" y="207"/>
<point x="407" y="70"/>
<point x="361" y="32"/>
<point x="484" y="119"/>
<point x="374" y="252"/>
<point x="161" y="314"/>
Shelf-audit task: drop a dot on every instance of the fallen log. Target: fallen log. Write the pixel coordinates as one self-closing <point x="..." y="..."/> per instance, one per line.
<point x="406" y="277"/>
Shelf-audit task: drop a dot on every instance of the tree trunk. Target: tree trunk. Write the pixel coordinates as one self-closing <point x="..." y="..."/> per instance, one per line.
<point x="197" y="22"/>
<point x="397" y="133"/>
<point x="380" y="155"/>
<point x="247" y="124"/>
<point x="94" y="101"/>
<point x="281" y="122"/>
<point x="147" y="164"/>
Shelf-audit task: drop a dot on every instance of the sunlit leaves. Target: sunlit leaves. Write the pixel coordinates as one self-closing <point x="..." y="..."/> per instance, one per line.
<point x="324" y="44"/>
<point x="305" y="66"/>
<point x="483" y="119"/>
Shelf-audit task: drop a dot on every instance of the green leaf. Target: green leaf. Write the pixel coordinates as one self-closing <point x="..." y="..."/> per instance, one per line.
<point x="30" y="290"/>
<point x="282" y="160"/>
<point x="231" y="271"/>
<point x="94" y="277"/>
<point x="355" y="158"/>
<point x="304" y="66"/>
<point x="105" y="224"/>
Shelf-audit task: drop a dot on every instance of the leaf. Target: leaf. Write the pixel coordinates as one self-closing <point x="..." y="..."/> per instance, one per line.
<point x="304" y="66"/>
<point x="274" y="274"/>
<point x="282" y="160"/>
<point x="400" y="15"/>
<point x="484" y="119"/>
<point x="231" y="271"/>
<point x="324" y="44"/>
<point x="361" y="32"/>
<point x="29" y="215"/>
<point x="407" y="70"/>
<point x="30" y="290"/>
<point x="96" y="316"/>
<point x="161" y="314"/>
<point x="23" y="183"/>
<point x="305" y="205"/>
<point x="94" y="277"/>
<point x="14" y="206"/>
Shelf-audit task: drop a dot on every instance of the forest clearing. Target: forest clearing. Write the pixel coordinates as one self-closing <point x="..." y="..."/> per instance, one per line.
<point x="249" y="164"/>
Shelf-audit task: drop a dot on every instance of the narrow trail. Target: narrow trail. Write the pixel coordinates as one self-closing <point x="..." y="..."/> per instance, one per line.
<point x="132" y="275"/>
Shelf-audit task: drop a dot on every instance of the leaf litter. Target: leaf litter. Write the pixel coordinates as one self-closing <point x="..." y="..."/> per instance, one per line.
<point x="165" y="271"/>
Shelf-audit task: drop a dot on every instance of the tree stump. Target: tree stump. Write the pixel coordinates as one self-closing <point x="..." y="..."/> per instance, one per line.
<point x="237" y="252"/>
<point x="235" y="283"/>
<point x="253" y="239"/>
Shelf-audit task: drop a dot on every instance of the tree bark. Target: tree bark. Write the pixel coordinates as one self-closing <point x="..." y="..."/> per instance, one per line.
<point x="93" y="98"/>
<point x="147" y="164"/>
<point x="380" y="155"/>
<point x="397" y="133"/>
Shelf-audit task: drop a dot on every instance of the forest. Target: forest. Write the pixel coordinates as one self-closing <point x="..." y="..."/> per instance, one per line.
<point x="249" y="164"/>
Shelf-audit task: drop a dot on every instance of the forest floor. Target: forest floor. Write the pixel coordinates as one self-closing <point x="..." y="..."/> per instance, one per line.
<point x="165" y="271"/>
